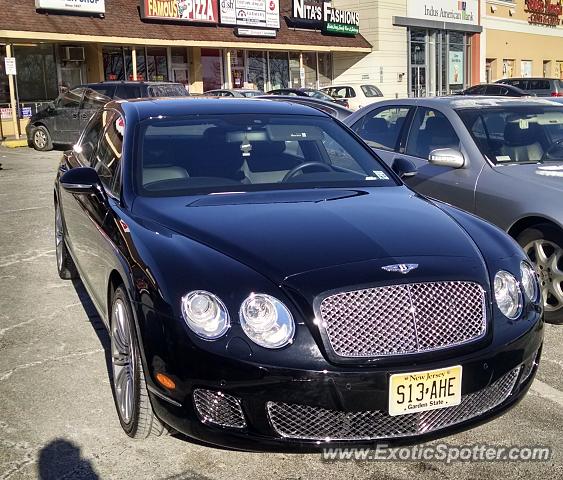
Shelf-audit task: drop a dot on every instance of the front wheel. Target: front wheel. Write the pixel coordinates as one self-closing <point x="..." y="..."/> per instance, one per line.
<point x="544" y="246"/>
<point x="41" y="139"/>
<point x="130" y="393"/>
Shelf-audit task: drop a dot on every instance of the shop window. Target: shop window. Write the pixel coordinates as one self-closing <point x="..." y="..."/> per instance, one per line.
<point x="507" y="68"/>
<point x="295" y="69"/>
<point x="279" y="70"/>
<point x="546" y="68"/>
<point x="310" y="67"/>
<point x="37" y="72"/>
<point x="4" y="86"/>
<point x="141" y="64"/>
<point x="526" y="68"/>
<point x="157" y="65"/>
<point x="113" y="63"/>
<point x="211" y="65"/>
<point x="256" y="70"/>
<point x="237" y="68"/>
<point x="179" y="55"/>
<point x="325" y="69"/>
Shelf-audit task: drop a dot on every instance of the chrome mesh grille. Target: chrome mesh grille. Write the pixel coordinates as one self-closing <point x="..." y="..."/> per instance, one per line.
<point x="403" y="319"/>
<point x="315" y="423"/>
<point x="219" y="408"/>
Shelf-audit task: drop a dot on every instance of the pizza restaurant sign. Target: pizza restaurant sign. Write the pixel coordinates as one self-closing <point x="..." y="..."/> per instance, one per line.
<point x="332" y="20"/>
<point x="544" y="12"/>
<point x="198" y="11"/>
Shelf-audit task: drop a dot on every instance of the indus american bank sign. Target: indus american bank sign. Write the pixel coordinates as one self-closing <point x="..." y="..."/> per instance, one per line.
<point x="452" y="11"/>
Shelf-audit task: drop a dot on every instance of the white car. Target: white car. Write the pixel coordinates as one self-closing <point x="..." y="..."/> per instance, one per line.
<point x="358" y="96"/>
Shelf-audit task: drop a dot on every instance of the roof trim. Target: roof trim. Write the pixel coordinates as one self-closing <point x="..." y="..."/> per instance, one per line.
<point x="69" y="37"/>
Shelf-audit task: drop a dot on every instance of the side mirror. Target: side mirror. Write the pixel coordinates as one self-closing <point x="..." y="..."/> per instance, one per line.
<point x="446" y="157"/>
<point x="51" y="107"/>
<point x="81" y="180"/>
<point x="404" y="168"/>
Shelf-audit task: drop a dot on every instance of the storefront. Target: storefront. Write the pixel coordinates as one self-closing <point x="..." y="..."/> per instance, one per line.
<point x="440" y="55"/>
<point x="203" y="44"/>
<point x="522" y="38"/>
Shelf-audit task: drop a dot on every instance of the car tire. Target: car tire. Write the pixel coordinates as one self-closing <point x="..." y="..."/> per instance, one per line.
<point x="544" y="245"/>
<point x="65" y="263"/>
<point x="41" y="139"/>
<point x="130" y="393"/>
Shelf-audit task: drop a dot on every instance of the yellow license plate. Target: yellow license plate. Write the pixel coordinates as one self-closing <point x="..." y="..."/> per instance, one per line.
<point x="422" y="391"/>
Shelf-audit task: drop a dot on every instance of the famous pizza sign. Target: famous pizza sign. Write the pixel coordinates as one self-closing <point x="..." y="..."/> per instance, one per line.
<point x="197" y="11"/>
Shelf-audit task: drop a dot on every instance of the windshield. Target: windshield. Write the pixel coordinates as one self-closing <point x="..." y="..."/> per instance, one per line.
<point x="222" y="153"/>
<point x="319" y="95"/>
<point x="251" y="93"/>
<point x="517" y="134"/>
<point x="168" y="90"/>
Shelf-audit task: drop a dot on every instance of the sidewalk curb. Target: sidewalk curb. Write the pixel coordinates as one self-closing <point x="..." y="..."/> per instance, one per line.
<point x="14" y="143"/>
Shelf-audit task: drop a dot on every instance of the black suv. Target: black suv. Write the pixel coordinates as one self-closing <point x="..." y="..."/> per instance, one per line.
<point x="63" y="120"/>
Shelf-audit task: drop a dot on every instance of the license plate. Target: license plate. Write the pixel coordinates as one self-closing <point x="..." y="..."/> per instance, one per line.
<point x="426" y="390"/>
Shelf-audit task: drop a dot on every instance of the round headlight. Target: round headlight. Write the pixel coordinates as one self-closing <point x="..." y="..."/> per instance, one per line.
<point x="266" y="321"/>
<point x="205" y="314"/>
<point x="529" y="281"/>
<point x="508" y="294"/>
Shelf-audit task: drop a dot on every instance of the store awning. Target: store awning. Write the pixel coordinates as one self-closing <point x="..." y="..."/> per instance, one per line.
<point x="122" y="24"/>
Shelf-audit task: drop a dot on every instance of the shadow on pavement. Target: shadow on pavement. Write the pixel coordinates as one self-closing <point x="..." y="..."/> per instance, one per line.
<point x="61" y="459"/>
<point x="96" y="322"/>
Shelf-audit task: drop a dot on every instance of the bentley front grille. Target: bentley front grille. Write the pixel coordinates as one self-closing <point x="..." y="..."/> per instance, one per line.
<point x="219" y="408"/>
<point x="315" y="423"/>
<point x="404" y="319"/>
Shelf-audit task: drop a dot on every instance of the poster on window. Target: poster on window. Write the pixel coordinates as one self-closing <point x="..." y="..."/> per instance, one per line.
<point x="250" y="13"/>
<point x="456" y="68"/>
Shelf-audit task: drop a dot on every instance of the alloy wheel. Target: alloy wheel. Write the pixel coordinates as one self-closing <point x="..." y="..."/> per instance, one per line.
<point x="123" y="361"/>
<point x="40" y="139"/>
<point x="548" y="258"/>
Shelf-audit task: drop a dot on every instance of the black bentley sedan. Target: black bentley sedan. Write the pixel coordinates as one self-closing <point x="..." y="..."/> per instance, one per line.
<point x="269" y="284"/>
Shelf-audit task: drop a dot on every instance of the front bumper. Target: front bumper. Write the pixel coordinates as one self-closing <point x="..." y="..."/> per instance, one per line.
<point x="340" y="407"/>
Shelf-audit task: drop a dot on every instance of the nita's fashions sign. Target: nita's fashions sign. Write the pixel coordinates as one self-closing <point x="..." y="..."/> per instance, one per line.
<point x="452" y="11"/>
<point x="86" y="6"/>
<point x="199" y="11"/>
<point x="250" y="13"/>
<point x="331" y="20"/>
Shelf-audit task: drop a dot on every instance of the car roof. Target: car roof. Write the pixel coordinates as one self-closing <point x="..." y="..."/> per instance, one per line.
<point x="471" y="101"/>
<point x="181" y="106"/>
<point x="526" y="78"/>
<point x="128" y="82"/>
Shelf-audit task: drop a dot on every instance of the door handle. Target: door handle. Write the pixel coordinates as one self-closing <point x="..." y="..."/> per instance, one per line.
<point x="75" y="116"/>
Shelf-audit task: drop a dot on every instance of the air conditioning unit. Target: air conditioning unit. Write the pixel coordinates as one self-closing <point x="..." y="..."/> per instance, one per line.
<point x="73" y="54"/>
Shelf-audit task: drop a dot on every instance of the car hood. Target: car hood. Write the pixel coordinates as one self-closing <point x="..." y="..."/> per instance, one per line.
<point x="285" y="233"/>
<point x="548" y="174"/>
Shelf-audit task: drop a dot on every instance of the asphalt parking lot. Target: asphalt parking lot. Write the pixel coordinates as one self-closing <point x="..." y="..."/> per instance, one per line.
<point x="57" y="418"/>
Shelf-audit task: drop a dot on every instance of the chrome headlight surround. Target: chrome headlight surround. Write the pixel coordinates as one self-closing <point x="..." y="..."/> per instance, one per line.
<point x="266" y="321"/>
<point x="508" y="295"/>
<point x="205" y="314"/>
<point x="530" y="281"/>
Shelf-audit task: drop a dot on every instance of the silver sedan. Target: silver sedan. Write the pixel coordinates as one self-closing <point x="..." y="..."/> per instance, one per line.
<point x="501" y="159"/>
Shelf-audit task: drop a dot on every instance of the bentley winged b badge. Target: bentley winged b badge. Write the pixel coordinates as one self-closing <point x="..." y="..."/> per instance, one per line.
<point x="403" y="268"/>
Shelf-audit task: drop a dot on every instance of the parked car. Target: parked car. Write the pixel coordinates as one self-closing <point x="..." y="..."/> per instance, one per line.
<point x="236" y="251"/>
<point x="494" y="90"/>
<point x="540" y="87"/>
<point x="334" y="109"/>
<point x="357" y="96"/>
<point x="499" y="158"/>
<point x="238" y="93"/>
<point x="63" y="120"/>
<point x="308" y="92"/>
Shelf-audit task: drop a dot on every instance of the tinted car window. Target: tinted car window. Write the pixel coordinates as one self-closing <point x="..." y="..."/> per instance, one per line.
<point x="108" y="155"/>
<point x="539" y="84"/>
<point x="254" y="152"/>
<point x="90" y="139"/>
<point x="371" y="91"/>
<point x="71" y="99"/>
<point x="476" y="90"/>
<point x="167" y="90"/>
<point x="495" y="90"/>
<point x="381" y="128"/>
<point x="430" y="130"/>
<point x="128" y="91"/>
<point x="107" y="90"/>
<point x="93" y="100"/>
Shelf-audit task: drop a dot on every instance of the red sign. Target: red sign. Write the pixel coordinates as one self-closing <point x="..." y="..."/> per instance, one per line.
<point x="544" y="12"/>
<point x="198" y="11"/>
